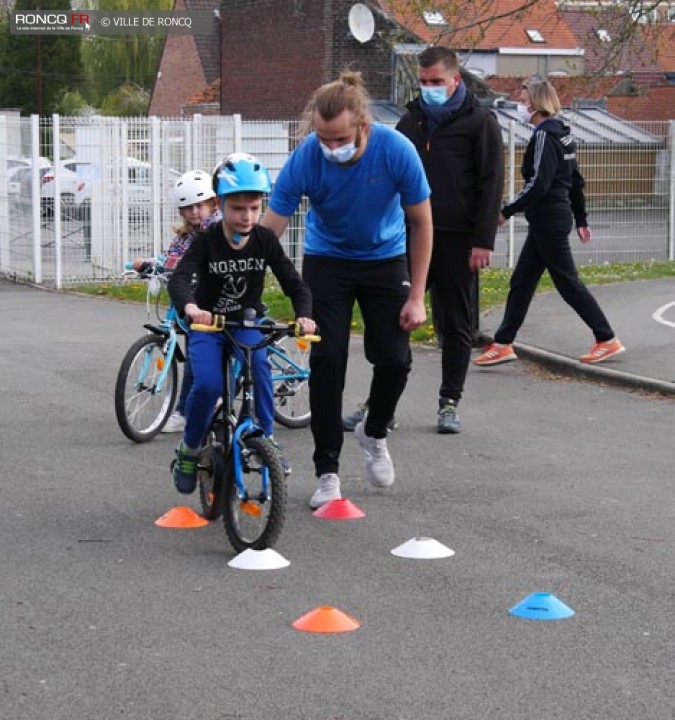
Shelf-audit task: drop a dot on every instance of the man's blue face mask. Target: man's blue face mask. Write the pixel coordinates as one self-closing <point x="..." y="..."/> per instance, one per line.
<point x="434" y="95"/>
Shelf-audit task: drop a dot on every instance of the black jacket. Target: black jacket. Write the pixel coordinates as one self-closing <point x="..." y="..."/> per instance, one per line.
<point x="229" y="281"/>
<point x="553" y="182"/>
<point x="464" y="162"/>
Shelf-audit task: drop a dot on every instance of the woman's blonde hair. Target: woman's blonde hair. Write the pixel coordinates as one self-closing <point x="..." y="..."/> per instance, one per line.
<point x="346" y="93"/>
<point x="543" y="97"/>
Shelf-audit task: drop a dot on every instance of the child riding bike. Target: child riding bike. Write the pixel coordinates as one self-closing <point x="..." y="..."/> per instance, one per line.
<point x="230" y="260"/>
<point x="196" y="202"/>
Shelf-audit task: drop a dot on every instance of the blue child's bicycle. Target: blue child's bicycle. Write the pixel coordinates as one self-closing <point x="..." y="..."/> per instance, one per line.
<point x="147" y="380"/>
<point x="238" y="469"/>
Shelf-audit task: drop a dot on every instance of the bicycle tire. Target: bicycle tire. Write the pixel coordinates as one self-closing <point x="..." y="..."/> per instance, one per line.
<point x="291" y="396"/>
<point x="211" y="473"/>
<point x="142" y="413"/>
<point x="255" y="522"/>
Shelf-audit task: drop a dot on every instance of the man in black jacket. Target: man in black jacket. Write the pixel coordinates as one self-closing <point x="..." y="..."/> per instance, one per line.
<point x="460" y="145"/>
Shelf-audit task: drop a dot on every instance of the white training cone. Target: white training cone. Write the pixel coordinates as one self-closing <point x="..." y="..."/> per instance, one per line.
<point x="423" y="548"/>
<point x="267" y="559"/>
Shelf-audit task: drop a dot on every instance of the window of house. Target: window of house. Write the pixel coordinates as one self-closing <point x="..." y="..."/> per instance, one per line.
<point x="433" y="18"/>
<point x="535" y="36"/>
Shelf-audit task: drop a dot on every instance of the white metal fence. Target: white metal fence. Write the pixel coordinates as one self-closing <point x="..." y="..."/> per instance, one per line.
<point x="75" y="210"/>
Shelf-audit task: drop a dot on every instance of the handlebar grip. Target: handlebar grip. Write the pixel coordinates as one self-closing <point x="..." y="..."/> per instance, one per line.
<point x="205" y="328"/>
<point x="310" y="338"/>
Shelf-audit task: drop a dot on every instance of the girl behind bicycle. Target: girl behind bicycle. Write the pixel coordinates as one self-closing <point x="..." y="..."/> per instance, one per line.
<point x="230" y="260"/>
<point x="196" y="202"/>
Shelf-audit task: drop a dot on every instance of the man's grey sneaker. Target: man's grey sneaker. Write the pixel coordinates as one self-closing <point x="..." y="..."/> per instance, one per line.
<point x="184" y="471"/>
<point x="379" y="467"/>
<point x="349" y="422"/>
<point x="448" y="419"/>
<point x="328" y="489"/>
<point x="175" y="423"/>
<point x="285" y="465"/>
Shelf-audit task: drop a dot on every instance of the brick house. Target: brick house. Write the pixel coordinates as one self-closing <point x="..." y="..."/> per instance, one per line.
<point x="187" y="65"/>
<point x="274" y="53"/>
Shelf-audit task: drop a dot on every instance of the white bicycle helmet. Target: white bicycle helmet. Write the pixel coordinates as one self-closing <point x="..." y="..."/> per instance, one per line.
<point x="193" y="187"/>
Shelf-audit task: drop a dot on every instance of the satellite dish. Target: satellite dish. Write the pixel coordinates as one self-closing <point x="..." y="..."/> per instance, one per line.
<point x="361" y="22"/>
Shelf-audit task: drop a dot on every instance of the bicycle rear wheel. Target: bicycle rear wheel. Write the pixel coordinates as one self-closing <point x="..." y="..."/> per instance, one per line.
<point x="141" y="409"/>
<point x="210" y="473"/>
<point x="289" y="359"/>
<point x="255" y="519"/>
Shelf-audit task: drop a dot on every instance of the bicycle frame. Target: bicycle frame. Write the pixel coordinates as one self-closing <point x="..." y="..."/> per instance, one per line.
<point x="299" y="374"/>
<point x="238" y="370"/>
<point x="166" y="328"/>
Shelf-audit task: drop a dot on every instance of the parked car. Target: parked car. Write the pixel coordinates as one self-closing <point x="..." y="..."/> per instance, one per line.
<point x="70" y="184"/>
<point x="16" y="163"/>
<point x="138" y="188"/>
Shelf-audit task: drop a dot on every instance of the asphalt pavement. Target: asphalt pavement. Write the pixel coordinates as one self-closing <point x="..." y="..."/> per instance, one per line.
<point x="642" y="314"/>
<point x="555" y="485"/>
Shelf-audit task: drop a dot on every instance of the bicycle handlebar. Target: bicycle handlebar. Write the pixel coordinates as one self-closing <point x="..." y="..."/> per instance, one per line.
<point x="292" y="329"/>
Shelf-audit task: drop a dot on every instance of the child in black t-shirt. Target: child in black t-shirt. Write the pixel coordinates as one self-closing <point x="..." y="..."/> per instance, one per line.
<point x="229" y="260"/>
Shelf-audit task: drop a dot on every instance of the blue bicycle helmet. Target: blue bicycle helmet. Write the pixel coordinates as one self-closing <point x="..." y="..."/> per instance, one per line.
<point x="240" y="172"/>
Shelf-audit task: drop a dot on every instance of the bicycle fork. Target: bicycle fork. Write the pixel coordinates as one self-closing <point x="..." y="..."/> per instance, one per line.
<point x="168" y="349"/>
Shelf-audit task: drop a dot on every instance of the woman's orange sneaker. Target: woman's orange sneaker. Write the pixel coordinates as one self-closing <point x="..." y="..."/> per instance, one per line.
<point x="496" y="354"/>
<point x="602" y="351"/>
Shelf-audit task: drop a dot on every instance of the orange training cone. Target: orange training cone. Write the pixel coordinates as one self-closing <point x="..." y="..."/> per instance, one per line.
<point x="326" y="619"/>
<point x="181" y="517"/>
<point x="340" y="509"/>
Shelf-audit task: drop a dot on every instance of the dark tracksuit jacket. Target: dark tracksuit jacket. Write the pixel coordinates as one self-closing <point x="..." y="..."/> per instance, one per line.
<point x="464" y="162"/>
<point x="552" y="194"/>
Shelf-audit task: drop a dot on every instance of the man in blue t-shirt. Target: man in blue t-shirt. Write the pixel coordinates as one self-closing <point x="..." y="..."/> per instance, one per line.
<point x="362" y="179"/>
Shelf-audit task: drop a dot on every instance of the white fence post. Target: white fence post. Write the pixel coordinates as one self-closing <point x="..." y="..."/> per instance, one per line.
<point x="58" y="246"/>
<point x="156" y="192"/>
<point x="671" y="193"/>
<point x="238" y="141"/>
<point x="36" y="196"/>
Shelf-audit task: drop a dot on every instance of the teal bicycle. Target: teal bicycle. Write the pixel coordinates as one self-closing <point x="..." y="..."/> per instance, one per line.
<point x="238" y="470"/>
<point x="147" y="381"/>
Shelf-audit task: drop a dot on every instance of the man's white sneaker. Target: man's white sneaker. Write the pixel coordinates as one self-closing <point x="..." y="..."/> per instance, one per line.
<point x="328" y="489"/>
<point x="175" y="423"/>
<point x="379" y="467"/>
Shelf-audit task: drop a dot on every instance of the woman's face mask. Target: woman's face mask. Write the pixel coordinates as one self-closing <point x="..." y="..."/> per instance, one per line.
<point x="341" y="155"/>
<point x="524" y="113"/>
<point x="434" y="95"/>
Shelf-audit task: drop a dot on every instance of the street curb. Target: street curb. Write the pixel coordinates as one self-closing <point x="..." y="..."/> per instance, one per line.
<point x="568" y="366"/>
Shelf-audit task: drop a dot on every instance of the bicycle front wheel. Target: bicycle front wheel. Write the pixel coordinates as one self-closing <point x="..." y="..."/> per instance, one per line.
<point x="254" y="518"/>
<point x="141" y="407"/>
<point x="289" y="359"/>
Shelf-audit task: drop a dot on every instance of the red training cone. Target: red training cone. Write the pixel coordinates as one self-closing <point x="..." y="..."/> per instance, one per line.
<point x="181" y="517"/>
<point x="341" y="509"/>
<point x="326" y="619"/>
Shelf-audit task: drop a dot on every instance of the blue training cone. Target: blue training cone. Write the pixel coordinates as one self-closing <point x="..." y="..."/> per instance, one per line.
<point x="541" y="606"/>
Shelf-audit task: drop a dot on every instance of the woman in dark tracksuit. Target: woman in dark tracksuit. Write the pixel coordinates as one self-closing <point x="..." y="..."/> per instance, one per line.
<point x="553" y="192"/>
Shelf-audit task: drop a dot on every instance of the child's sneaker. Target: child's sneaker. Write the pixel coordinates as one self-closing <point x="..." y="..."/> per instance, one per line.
<point x="328" y="489"/>
<point x="602" y="351"/>
<point x="496" y="354"/>
<point x="184" y="470"/>
<point x="175" y="423"/>
<point x="379" y="467"/>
